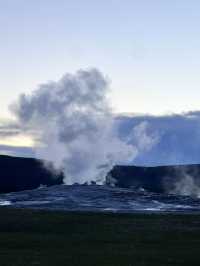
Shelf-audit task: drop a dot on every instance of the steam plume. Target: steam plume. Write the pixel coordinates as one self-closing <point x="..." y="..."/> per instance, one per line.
<point x="75" y="127"/>
<point x="187" y="184"/>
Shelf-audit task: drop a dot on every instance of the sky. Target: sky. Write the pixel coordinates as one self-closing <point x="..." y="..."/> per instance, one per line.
<point x="149" y="50"/>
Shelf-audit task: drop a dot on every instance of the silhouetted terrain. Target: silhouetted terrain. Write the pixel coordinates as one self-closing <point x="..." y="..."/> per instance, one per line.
<point x="18" y="174"/>
<point x="156" y="179"/>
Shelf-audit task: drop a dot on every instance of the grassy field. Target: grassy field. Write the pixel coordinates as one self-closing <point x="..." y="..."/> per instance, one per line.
<point x="49" y="238"/>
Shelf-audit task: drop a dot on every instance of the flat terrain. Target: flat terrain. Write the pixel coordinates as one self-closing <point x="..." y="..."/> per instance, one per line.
<point x="49" y="238"/>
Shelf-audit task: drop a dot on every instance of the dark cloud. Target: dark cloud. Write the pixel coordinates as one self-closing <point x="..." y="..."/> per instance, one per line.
<point x="179" y="138"/>
<point x="9" y="129"/>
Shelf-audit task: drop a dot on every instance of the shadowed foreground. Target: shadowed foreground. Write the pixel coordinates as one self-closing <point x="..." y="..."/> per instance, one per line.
<point x="30" y="237"/>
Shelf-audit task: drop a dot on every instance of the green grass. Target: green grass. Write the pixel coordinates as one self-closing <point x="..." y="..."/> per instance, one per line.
<point x="49" y="238"/>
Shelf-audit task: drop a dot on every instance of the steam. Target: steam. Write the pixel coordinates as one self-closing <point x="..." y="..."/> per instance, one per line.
<point x="74" y="128"/>
<point x="187" y="184"/>
<point x="142" y="138"/>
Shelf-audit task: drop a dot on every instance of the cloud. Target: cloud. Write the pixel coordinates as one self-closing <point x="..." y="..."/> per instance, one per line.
<point x="170" y="139"/>
<point x="9" y="128"/>
<point x="179" y="137"/>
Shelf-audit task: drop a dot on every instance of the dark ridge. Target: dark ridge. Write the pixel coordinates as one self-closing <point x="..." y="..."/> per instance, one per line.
<point x="17" y="174"/>
<point x="159" y="179"/>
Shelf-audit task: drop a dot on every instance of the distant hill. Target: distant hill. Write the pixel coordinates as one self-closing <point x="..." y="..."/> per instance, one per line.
<point x="18" y="174"/>
<point x="158" y="179"/>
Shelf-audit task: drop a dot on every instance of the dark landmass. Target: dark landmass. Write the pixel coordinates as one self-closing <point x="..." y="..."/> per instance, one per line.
<point x="46" y="238"/>
<point x="17" y="174"/>
<point x="158" y="179"/>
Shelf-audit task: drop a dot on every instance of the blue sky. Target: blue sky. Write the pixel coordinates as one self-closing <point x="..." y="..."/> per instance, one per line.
<point x="149" y="49"/>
